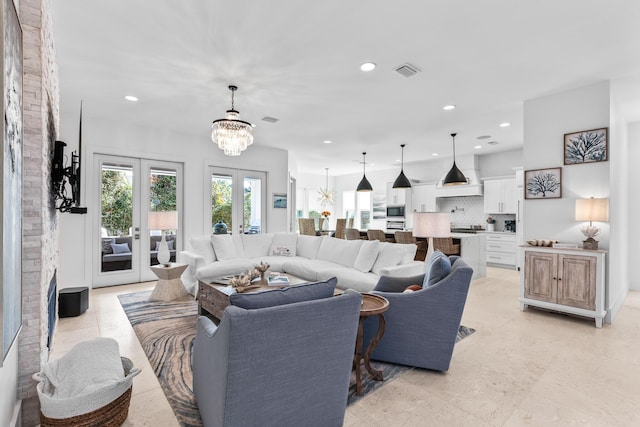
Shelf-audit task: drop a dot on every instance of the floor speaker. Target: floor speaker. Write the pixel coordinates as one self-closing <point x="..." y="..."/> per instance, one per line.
<point x="73" y="301"/>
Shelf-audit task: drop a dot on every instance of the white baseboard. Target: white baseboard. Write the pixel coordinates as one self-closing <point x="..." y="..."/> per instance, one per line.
<point x="16" y="420"/>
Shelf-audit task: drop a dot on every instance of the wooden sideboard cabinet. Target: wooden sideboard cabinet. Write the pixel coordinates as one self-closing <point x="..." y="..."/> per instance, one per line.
<point x="566" y="280"/>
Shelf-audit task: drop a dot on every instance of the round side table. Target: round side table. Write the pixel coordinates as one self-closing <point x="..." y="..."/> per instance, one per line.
<point x="372" y="305"/>
<point x="169" y="285"/>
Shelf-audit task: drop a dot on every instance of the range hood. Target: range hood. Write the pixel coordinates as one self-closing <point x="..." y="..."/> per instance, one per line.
<point x="468" y="166"/>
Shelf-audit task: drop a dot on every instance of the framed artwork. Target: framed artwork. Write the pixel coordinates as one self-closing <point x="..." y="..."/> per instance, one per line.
<point x="586" y="146"/>
<point x="11" y="255"/>
<point x="279" y="201"/>
<point x="543" y="183"/>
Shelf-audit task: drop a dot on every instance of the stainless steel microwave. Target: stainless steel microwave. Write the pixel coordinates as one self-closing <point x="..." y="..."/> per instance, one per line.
<point x="396" y="211"/>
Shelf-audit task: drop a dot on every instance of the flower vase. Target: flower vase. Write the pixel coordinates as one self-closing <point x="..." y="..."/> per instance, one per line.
<point x="325" y="224"/>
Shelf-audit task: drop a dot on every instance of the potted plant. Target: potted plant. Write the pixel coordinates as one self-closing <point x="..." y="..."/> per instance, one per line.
<point x="491" y="224"/>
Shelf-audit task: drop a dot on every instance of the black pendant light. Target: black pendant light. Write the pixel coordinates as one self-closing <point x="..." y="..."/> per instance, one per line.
<point x="364" y="185"/>
<point x="454" y="177"/>
<point x="402" y="181"/>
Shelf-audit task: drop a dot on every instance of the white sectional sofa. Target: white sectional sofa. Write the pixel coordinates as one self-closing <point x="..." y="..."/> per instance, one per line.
<point x="356" y="263"/>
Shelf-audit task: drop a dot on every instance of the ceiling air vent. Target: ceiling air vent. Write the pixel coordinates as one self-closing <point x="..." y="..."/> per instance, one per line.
<point x="407" y="70"/>
<point x="269" y="119"/>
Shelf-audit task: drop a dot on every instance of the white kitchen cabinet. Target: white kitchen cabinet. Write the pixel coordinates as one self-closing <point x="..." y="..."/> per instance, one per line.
<point x="501" y="249"/>
<point x="567" y="280"/>
<point x="397" y="196"/>
<point x="500" y="196"/>
<point x="423" y="198"/>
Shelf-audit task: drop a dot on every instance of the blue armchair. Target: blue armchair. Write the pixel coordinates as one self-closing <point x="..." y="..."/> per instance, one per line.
<point x="286" y="365"/>
<point x="421" y="326"/>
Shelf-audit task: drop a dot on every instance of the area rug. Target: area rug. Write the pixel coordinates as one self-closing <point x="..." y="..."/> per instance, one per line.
<point x="166" y="331"/>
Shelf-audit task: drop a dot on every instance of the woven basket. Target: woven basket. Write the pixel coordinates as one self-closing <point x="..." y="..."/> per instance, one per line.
<point x="111" y="415"/>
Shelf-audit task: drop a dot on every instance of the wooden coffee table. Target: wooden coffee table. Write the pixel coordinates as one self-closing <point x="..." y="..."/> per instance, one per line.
<point x="372" y="305"/>
<point x="212" y="299"/>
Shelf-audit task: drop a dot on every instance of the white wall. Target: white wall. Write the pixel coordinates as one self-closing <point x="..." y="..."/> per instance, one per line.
<point x="546" y="120"/>
<point x="196" y="152"/>
<point x="500" y="164"/>
<point x="619" y="202"/>
<point x="633" y="147"/>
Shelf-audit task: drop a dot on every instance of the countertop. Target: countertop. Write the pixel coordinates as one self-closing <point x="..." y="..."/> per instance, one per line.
<point x="497" y="232"/>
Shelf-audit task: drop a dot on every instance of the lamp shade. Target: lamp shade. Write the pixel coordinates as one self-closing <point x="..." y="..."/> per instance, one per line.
<point x="163" y="220"/>
<point x="431" y="224"/>
<point x="592" y="209"/>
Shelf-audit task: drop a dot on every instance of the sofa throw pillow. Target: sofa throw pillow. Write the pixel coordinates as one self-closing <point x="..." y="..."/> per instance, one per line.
<point x="438" y="267"/>
<point x="106" y="245"/>
<point x="390" y="255"/>
<point x="224" y="247"/>
<point x="367" y="255"/>
<point x="289" y="295"/>
<point x="307" y="246"/>
<point x="285" y="241"/>
<point x="256" y="245"/>
<point x="120" y="248"/>
<point x="282" y="250"/>
<point x="339" y="251"/>
<point x="202" y="246"/>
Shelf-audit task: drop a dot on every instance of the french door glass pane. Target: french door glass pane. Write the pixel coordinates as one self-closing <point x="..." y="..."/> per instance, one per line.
<point x="163" y="213"/>
<point x="252" y="211"/>
<point x="116" y="216"/>
<point x="221" y="200"/>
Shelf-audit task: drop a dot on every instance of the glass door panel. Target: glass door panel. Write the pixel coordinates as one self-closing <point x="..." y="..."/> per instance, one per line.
<point x="237" y="201"/>
<point x="163" y="212"/>
<point x="117" y="230"/>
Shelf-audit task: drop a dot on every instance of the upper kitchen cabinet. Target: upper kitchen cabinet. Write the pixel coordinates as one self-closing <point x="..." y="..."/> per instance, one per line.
<point x="500" y="196"/>
<point x="423" y="198"/>
<point x="398" y="196"/>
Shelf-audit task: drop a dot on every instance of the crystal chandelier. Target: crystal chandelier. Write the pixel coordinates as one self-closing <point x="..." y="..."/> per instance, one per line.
<point x="232" y="134"/>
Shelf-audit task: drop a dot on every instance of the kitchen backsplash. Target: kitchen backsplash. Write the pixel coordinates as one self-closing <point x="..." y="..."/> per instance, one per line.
<point x="468" y="211"/>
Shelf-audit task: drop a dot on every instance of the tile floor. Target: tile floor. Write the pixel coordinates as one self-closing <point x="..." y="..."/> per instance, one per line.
<point x="519" y="368"/>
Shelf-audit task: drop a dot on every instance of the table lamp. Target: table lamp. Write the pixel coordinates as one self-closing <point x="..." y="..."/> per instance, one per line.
<point x="163" y="220"/>
<point x="591" y="210"/>
<point x="431" y="224"/>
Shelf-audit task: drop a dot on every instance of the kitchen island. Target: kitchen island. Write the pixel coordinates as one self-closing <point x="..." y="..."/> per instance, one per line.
<point x="473" y="249"/>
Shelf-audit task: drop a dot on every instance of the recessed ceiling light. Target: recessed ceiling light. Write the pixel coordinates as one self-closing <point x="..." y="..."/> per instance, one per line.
<point x="368" y="66"/>
<point x="478" y="147"/>
<point x="131" y="98"/>
<point x="484" y="137"/>
<point x="327" y="142"/>
<point x="448" y="107"/>
<point x="505" y="124"/>
<point x="435" y="154"/>
<point x="397" y="160"/>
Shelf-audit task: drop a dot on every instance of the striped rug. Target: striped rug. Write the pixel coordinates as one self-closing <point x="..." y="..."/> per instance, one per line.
<point x="166" y="331"/>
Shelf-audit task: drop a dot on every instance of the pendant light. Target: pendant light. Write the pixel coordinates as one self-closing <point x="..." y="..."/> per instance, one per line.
<point x="364" y="185"/>
<point x="454" y="177"/>
<point x="402" y="181"/>
<point x="232" y="134"/>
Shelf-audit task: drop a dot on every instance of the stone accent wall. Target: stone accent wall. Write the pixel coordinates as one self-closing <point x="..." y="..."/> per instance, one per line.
<point x="39" y="253"/>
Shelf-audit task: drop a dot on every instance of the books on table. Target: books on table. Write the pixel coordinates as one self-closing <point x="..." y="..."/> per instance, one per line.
<point x="278" y="280"/>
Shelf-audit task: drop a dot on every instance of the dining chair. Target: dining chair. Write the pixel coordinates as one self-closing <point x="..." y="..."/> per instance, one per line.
<point x="376" y="235"/>
<point x="341" y="225"/>
<point x="307" y="226"/>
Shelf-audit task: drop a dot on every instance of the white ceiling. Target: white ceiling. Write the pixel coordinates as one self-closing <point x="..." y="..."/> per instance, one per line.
<point x="298" y="61"/>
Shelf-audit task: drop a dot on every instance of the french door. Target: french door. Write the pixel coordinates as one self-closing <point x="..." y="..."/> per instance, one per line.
<point x="237" y="200"/>
<point x="139" y="200"/>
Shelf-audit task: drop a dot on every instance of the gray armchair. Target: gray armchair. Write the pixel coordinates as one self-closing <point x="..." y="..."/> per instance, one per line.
<point x="421" y="326"/>
<point x="288" y="365"/>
